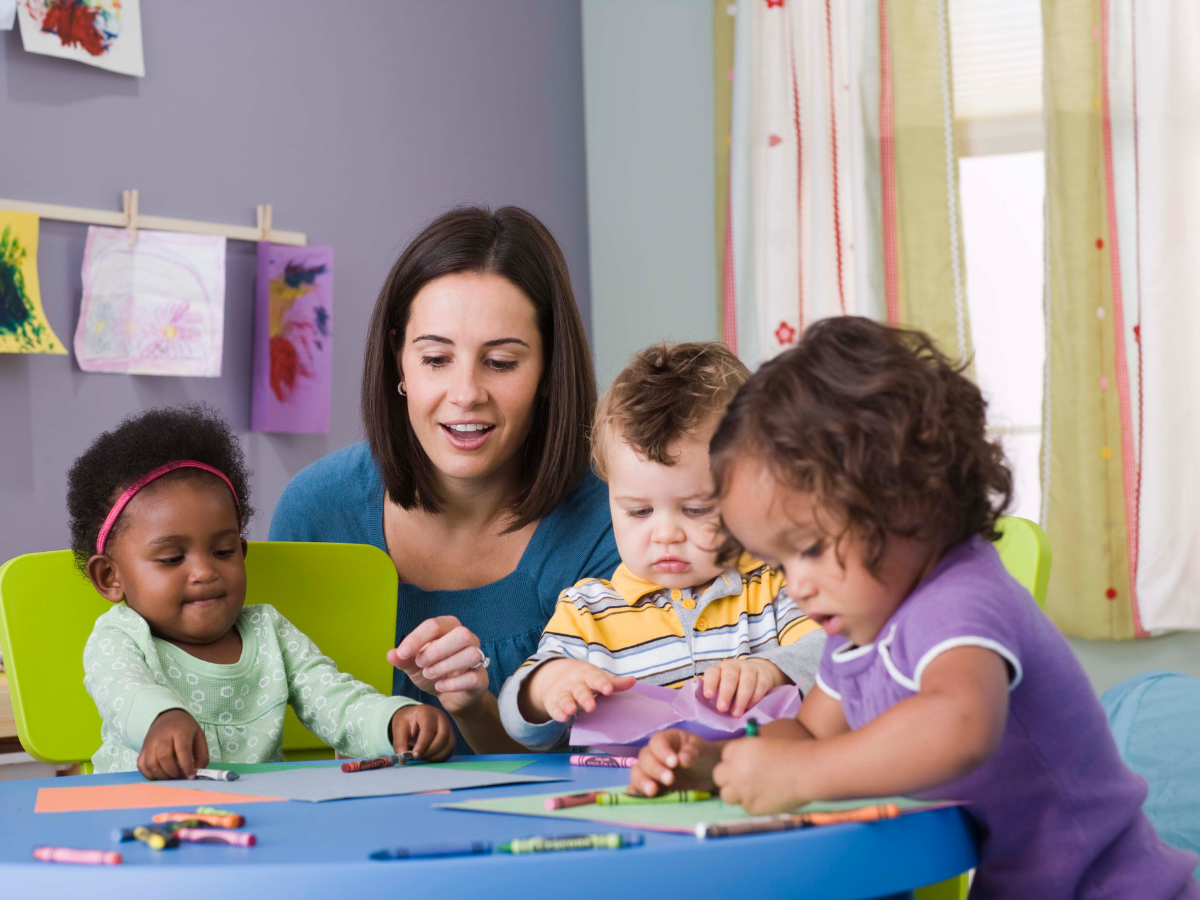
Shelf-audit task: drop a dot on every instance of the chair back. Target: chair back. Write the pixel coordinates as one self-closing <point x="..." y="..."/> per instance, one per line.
<point x="1025" y="551"/>
<point x="343" y="596"/>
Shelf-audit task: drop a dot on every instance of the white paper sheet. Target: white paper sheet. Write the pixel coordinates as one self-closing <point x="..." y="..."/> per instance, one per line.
<point x="102" y="33"/>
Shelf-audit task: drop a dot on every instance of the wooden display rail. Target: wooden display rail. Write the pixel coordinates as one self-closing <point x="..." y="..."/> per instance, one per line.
<point x="132" y="220"/>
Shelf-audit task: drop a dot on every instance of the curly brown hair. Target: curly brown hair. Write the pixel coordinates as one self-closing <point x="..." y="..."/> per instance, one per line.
<point x="881" y="427"/>
<point x="666" y="392"/>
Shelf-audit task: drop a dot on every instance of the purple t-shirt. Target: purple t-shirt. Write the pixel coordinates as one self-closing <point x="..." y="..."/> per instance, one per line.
<point x="1058" y="814"/>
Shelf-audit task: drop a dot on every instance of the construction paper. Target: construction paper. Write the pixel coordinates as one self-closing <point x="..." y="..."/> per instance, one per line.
<point x="132" y="796"/>
<point x="629" y="718"/>
<point x="23" y="325"/>
<point x="318" y="784"/>
<point x="503" y="766"/>
<point x="293" y="340"/>
<point x="8" y="14"/>
<point x="157" y="308"/>
<point x="675" y="817"/>
<point x="102" y="33"/>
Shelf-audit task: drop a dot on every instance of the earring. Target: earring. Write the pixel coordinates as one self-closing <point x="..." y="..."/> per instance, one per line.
<point x="400" y="390"/>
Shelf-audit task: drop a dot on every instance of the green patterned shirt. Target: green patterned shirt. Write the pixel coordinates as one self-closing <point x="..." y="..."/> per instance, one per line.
<point x="134" y="677"/>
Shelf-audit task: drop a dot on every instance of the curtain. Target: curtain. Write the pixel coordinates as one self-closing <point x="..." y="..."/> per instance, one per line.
<point x="1122" y="413"/>
<point x="843" y="194"/>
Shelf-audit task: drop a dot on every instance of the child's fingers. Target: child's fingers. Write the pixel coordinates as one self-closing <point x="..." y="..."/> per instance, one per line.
<point x="584" y="697"/>
<point x="401" y="733"/>
<point x="424" y="730"/>
<point x="728" y="687"/>
<point x="710" y="681"/>
<point x="622" y="682"/>
<point x="200" y="748"/>
<point x="182" y="745"/>
<point x="641" y="782"/>
<point x="561" y="707"/>
<point x="747" y="687"/>
<point x="443" y="745"/>
<point x="167" y="763"/>
<point x="664" y="747"/>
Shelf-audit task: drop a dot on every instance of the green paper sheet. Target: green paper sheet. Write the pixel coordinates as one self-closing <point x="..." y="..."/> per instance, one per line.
<point x="502" y="766"/>
<point x="677" y="817"/>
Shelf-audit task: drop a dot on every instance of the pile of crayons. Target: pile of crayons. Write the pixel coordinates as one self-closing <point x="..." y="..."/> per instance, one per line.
<point x="204" y="826"/>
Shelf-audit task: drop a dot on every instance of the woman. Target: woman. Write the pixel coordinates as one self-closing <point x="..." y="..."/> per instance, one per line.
<point x="477" y="396"/>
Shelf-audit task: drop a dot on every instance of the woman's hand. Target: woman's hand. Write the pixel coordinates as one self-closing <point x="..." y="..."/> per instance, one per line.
<point x="674" y="760"/>
<point x="440" y="656"/>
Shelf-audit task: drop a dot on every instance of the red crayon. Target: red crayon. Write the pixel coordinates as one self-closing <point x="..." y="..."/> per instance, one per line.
<point x="607" y="762"/>
<point x="574" y="800"/>
<point x="83" y="857"/>
<point x="382" y="762"/>
<point x="216" y="836"/>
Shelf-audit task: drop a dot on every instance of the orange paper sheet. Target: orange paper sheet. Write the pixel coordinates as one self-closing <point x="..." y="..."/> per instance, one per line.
<point x="133" y="796"/>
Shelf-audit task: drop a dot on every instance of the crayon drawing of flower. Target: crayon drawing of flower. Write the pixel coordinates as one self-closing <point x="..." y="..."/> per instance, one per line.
<point x="172" y="330"/>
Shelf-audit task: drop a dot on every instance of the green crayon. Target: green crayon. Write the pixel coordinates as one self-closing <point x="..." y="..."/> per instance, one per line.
<point x="616" y="798"/>
<point x="574" y="842"/>
<point x="752" y="727"/>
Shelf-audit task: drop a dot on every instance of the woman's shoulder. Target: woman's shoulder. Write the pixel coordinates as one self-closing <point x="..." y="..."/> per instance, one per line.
<point x="575" y="540"/>
<point x="330" y="499"/>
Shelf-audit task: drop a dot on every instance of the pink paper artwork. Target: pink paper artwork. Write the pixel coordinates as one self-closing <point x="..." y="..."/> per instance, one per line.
<point x="157" y="308"/>
<point x="630" y="717"/>
<point x="293" y="340"/>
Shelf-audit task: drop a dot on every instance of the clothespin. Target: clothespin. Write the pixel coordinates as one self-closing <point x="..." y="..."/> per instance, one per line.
<point x="131" y="212"/>
<point x="264" y="222"/>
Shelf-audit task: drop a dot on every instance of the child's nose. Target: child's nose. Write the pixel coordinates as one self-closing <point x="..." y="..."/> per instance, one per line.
<point x="667" y="531"/>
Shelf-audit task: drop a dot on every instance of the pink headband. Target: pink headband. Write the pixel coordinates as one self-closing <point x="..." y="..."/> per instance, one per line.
<point x="130" y="491"/>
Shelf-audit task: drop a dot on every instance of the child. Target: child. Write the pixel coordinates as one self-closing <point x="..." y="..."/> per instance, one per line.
<point x="858" y="462"/>
<point x="670" y="612"/>
<point x="181" y="672"/>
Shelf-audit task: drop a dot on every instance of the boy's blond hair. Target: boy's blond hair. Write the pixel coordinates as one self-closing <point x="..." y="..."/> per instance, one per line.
<point x="666" y="392"/>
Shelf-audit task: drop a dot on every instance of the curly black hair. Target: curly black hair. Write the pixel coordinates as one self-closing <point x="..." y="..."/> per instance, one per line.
<point x="140" y="444"/>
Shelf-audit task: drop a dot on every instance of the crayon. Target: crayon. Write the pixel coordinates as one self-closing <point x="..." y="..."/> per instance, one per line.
<point x="616" y="798"/>
<point x="587" y="799"/>
<point x="156" y="838"/>
<point x="194" y="820"/>
<point x="787" y="822"/>
<point x="83" y="857"/>
<point x="382" y="762"/>
<point x="213" y="811"/>
<point x="574" y="842"/>
<point x="475" y="848"/>
<point x="606" y="762"/>
<point x="217" y="774"/>
<point x="752" y="727"/>
<point x="216" y="836"/>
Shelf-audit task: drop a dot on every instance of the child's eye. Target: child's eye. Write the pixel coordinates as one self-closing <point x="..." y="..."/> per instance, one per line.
<point x="639" y="513"/>
<point x="171" y="560"/>
<point x="502" y="365"/>
<point x="697" y="511"/>
<point x="814" y="551"/>
<point x="223" y="554"/>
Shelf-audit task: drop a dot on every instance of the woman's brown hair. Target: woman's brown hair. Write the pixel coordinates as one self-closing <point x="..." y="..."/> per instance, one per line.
<point x="881" y="427"/>
<point x="513" y="244"/>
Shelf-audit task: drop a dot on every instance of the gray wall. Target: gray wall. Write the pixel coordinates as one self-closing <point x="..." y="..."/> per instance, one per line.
<point x="358" y="127"/>
<point x="648" y="74"/>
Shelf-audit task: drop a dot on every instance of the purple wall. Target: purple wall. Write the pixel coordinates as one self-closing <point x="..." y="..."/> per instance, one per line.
<point x="358" y="121"/>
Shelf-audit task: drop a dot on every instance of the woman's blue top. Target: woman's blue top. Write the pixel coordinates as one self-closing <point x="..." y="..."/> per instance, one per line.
<point x="340" y="499"/>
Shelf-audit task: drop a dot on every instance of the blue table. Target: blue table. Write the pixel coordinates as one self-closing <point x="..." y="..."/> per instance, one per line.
<point x="319" y="850"/>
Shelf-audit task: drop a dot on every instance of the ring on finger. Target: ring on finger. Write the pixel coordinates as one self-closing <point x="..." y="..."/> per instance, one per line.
<point x="484" y="661"/>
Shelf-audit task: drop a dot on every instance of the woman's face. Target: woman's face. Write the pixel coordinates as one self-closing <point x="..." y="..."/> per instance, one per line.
<point x="471" y="361"/>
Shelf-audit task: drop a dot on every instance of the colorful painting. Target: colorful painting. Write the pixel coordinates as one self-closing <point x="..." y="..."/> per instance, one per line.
<point x="157" y="308"/>
<point x="293" y="340"/>
<point x="23" y="325"/>
<point x="103" y="33"/>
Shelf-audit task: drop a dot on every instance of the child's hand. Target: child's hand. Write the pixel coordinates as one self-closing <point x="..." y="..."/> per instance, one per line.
<point x="561" y="687"/>
<point x="423" y="729"/>
<point x="763" y="775"/>
<point x="674" y="760"/>
<point x="741" y="682"/>
<point x="175" y="747"/>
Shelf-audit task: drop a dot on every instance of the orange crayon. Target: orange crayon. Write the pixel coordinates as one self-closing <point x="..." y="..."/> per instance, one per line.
<point x="228" y="820"/>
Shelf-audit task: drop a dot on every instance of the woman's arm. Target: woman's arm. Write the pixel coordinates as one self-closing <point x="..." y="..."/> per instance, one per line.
<point x="942" y="733"/>
<point x="440" y="656"/>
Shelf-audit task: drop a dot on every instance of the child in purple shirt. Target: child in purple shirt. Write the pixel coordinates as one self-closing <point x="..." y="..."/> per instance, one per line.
<point x="858" y="462"/>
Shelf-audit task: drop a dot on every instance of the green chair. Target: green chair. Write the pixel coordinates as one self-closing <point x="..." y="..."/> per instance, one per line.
<point x="343" y="596"/>
<point x="1025" y="551"/>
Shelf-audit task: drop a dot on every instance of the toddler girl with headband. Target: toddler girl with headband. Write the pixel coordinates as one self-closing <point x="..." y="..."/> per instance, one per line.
<point x="182" y="672"/>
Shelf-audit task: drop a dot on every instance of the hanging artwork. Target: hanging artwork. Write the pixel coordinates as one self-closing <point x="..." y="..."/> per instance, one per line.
<point x="157" y="308"/>
<point x="103" y="33"/>
<point x="8" y="14"/>
<point x="293" y="340"/>
<point x="23" y="325"/>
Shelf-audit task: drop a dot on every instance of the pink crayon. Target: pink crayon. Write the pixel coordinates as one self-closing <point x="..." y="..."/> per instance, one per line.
<point x="216" y="836"/>
<point x="608" y="762"/>
<point x="83" y="857"/>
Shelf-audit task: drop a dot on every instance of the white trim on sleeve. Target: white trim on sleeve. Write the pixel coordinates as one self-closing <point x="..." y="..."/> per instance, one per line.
<point x="971" y="641"/>
<point x="827" y="689"/>
<point x="912" y="684"/>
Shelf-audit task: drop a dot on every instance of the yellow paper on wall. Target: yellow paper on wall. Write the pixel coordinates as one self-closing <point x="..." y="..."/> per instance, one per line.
<point x="23" y="325"/>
